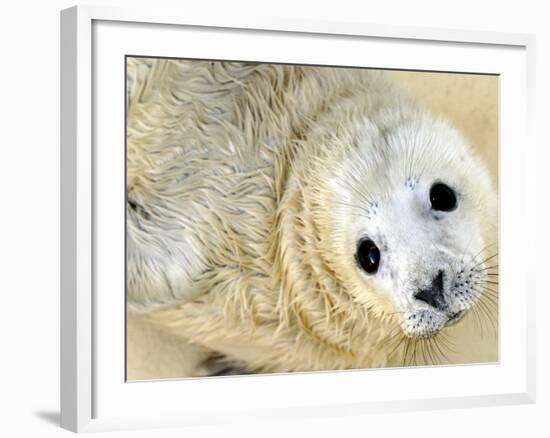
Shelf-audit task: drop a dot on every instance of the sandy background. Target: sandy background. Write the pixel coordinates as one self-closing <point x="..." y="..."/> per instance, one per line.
<point x="470" y="103"/>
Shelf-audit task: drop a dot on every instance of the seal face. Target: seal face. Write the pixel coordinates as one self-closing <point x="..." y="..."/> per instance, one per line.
<point x="414" y="214"/>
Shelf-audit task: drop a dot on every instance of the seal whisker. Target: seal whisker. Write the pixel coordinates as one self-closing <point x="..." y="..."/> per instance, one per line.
<point x="486" y="268"/>
<point x="489" y="314"/>
<point x="486" y="247"/>
<point x="484" y="260"/>
<point x="486" y="290"/>
<point x="437" y="344"/>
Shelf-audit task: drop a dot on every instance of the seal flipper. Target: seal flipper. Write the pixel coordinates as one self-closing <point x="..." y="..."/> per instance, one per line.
<point x="161" y="266"/>
<point x="219" y="365"/>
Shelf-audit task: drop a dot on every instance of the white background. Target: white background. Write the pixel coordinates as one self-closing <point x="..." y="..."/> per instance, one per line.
<point x="29" y="217"/>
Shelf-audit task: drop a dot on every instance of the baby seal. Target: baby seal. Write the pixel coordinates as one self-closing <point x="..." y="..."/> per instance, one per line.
<point x="298" y="218"/>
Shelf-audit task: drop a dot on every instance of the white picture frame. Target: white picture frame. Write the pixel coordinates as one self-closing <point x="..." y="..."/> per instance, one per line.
<point x="94" y="394"/>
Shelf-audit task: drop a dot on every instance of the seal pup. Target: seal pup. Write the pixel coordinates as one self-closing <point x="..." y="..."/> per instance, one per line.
<point x="296" y="218"/>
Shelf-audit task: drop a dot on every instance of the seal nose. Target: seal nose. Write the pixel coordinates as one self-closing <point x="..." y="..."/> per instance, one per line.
<point x="434" y="294"/>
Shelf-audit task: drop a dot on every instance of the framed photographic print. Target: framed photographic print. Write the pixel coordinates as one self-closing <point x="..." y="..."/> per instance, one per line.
<point x="252" y="209"/>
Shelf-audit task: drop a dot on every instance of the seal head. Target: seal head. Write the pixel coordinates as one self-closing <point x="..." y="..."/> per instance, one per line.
<point x="412" y="224"/>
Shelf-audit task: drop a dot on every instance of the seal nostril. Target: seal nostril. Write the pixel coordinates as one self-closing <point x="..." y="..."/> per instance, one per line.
<point x="437" y="283"/>
<point x="434" y="294"/>
<point x="427" y="296"/>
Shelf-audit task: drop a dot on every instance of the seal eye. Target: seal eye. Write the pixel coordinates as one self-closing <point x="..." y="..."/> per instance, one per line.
<point x="442" y="197"/>
<point x="368" y="256"/>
